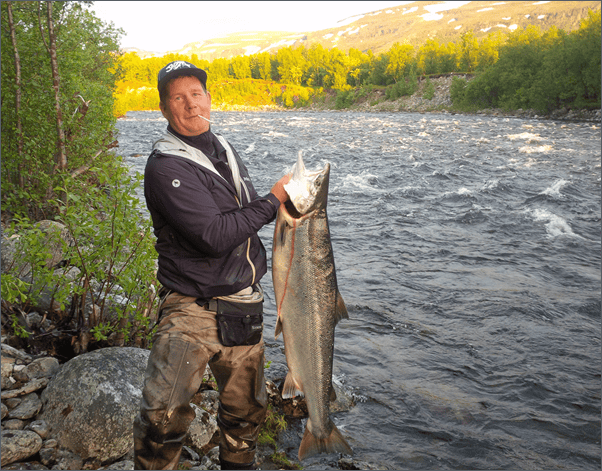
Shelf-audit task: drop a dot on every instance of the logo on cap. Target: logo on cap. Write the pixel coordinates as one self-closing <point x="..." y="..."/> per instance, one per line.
<point x="176" y="65"/>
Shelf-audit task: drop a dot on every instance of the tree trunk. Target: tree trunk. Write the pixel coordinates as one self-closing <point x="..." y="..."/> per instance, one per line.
<point x="61" y="157"/>
<point x="13" y="37"/>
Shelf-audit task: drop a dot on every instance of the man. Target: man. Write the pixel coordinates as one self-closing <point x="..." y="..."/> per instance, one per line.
<point x="205" y="215"/>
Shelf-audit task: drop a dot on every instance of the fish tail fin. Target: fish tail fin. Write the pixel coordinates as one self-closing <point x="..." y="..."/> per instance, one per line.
<point x="341" y="309"/>
<point x="291" y="387"/>
<point x="334" y="443"/>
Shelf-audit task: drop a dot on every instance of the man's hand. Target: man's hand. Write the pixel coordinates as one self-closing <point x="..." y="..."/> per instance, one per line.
<point x="278" y="189"/>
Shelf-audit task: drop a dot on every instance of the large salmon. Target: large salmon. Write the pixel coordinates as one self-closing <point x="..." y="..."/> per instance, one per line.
<point x="309" y="304"/>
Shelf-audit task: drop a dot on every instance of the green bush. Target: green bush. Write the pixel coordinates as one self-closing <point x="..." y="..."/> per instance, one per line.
<point x="405" y="87"/>
<point x="429" y="90"/>
<point x="345" y="98"/>
<point x="111" y="245"/>
<point x="539" y="71"/>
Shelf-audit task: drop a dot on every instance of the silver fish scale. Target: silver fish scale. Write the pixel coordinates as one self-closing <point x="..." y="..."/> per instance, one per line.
<point x="307" y="309"/>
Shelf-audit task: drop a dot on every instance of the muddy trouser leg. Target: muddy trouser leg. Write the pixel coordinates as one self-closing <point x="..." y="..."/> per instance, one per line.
<point x="243" y="403"/>
<point x="186" y="339"/>
<point x="174" y="373"/>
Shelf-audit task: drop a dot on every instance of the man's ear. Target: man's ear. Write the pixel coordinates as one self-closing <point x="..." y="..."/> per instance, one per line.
<point x="162" y="108"/>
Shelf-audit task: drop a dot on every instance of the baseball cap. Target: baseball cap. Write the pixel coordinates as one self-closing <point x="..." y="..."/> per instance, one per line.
<point x="178" y="69"/>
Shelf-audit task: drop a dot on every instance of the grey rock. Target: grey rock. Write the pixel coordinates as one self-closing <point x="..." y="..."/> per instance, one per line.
<point x="13" y="352"/>
<point x="25" y="465"/>
<point x="58" y="238"/>
<point x="8" y="249"/>
<point x="34" y="319"/>
<point x="12" y="402"/>
<point x="202" y="428"/>
<point x="7" y="383"/>
<point x="40" y="427"/>
<point x="28" y="408"/>
<point x="48" y="456"/>
<point x="68" y="460"/>
<point x="14" y="424"/>
<point x="92" y="401"/>
<point x="349" y="463"/>
<point x="210" y="460"/>
<point x="20" y="375"/>
<point x="8" y="365"/>
<point x="27" y="388"/>
<point x="125" y="464"/>
<point x="51" y="443"/>
<point x="4" y="410"/>
<point x="43" y="368"/>
<point x="18" y="445"/>
<point x="194" y="456"/>
<point x="210" y="401"/>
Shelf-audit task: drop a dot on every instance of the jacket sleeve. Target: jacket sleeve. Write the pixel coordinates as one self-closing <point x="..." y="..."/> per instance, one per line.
<point x="180" y="193"/>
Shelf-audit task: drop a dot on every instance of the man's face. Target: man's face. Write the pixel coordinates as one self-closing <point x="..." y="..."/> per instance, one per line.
<point x="186" y="99"/>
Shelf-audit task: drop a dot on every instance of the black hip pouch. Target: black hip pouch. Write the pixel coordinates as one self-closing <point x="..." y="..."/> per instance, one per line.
<point x="239" y="323"/>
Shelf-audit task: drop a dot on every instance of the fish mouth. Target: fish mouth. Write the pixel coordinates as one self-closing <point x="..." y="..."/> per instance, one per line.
<point x="307" y="191"/>
<point x="289" y="208"/>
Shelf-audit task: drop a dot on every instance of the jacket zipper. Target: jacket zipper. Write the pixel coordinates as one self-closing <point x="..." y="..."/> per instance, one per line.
<point x="248" y="250"/>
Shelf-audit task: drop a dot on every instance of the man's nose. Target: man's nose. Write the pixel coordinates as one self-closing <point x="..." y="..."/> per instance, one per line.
<point x="190" y="103"/>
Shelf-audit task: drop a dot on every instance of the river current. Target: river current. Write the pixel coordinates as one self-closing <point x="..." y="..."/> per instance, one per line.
<point x="468" y="251"/>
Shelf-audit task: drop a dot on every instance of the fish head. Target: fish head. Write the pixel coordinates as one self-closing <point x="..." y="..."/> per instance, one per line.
<point x="308" y="190"/>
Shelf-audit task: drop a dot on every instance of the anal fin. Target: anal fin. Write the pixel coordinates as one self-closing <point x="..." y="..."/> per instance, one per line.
<point x="340" y="311"/>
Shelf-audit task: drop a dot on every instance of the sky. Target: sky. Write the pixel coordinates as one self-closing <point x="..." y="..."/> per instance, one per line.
<point x="161" y="26"/>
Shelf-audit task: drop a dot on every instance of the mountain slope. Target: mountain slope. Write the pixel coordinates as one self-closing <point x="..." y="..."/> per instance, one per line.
<point x="413" y="23"/>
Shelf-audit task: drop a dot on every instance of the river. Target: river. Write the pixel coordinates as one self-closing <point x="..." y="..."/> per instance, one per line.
<point x="468" y="253"/>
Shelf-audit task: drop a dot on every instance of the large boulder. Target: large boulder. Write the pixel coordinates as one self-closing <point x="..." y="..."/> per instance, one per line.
<point x="93" y="400"/>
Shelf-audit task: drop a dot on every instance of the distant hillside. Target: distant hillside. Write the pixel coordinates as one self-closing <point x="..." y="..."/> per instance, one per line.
<point x="413" y="23"/>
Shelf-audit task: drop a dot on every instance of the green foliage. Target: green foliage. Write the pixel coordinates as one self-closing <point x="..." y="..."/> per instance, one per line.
<point x="429" y="90"/>
<point x="508" y="62"/>
<point x="87" y="53"/>
<point x="541" y="71"/>
<point x="344" y="99"/>
<point x="112" y="248"/>
<point x="274" y="423"/>
<point x="280" y="459"/>
<point x="405" y="87"/>
<point x="401" y="62"/>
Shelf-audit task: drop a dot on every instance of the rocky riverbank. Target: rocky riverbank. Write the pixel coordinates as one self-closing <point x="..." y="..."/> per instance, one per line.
<point x="440" y="102"/>
<point x="78" y="415"/>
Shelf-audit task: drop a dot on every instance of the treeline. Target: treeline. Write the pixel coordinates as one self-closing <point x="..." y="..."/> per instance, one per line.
<point x="518" y="61"/>
<point x="544" y="72"/>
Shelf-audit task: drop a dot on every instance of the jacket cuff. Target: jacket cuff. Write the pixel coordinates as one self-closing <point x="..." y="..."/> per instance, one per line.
<point x="272" y="199"/>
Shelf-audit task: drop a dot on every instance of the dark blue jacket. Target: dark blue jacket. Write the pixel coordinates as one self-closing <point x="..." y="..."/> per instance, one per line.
<point x="208" y="246"/>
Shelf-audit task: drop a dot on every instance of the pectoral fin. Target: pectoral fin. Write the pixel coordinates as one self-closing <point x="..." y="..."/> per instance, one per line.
<point x="340" y="309"/>
<point x="278" y="327"/>
<point x="291" y="387"/>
